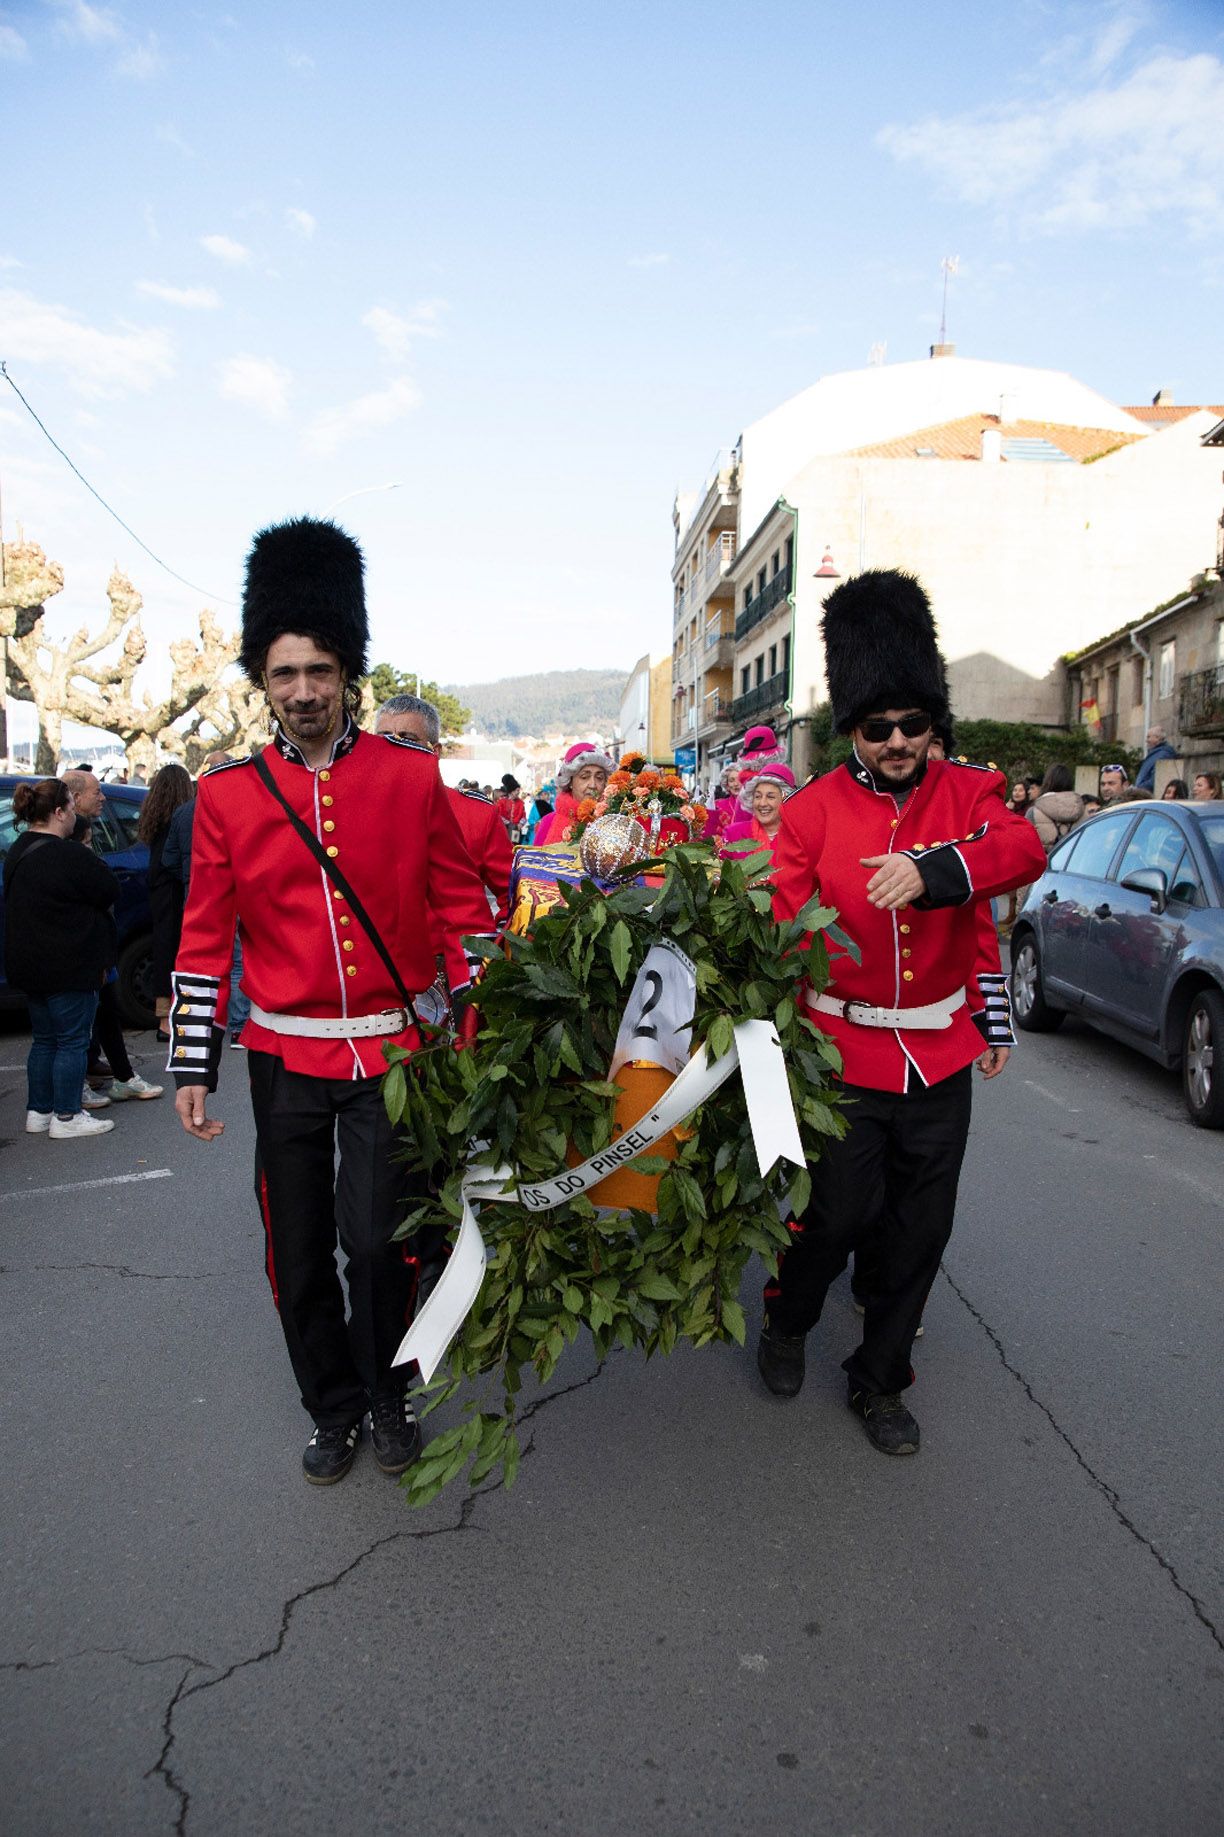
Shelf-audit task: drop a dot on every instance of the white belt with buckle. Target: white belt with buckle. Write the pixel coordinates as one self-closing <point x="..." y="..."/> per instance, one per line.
<point x="932" y="1018"/>
<point x="351" y="1027"/>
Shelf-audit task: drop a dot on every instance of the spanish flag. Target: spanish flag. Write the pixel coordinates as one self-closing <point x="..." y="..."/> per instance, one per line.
<point x="1090" y="715"/>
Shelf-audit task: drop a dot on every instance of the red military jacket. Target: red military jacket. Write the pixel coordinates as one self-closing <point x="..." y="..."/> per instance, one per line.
<point x="487" y="843"/>
<point x="968" y="847"/>
<point x="380" y="806"/>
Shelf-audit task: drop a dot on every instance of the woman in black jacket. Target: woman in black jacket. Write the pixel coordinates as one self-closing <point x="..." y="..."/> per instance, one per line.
<point x="170" y="789"/>
<point x="59" y="938"/>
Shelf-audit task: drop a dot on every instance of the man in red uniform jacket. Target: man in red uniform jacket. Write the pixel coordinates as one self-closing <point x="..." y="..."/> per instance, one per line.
<point x="323" y="1002"/>
<point x="907" y="850"/>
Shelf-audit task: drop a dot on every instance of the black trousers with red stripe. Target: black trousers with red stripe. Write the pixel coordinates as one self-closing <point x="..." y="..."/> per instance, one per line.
<point x="889" y="1186"/>
<point x="310" y="1200"/>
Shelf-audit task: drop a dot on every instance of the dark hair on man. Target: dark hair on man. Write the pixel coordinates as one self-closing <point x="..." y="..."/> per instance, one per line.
<point x="1058" y="778"/>
<point x="34" y="803"/>
<point x="170" y="788"/>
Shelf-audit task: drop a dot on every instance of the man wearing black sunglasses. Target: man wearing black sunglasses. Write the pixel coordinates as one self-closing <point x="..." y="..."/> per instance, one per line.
<point x="910" y="851"/>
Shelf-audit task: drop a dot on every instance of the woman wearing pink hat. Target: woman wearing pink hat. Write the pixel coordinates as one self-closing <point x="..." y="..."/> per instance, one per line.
<point x="582" y="773"/>
<point x="767" y="790"/>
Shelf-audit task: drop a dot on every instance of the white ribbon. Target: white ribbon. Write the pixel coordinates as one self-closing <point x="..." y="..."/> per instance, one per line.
<point x="757" y="1052"/>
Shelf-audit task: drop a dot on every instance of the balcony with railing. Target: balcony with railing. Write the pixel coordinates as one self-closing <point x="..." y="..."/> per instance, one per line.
<point x="769" y="694"/>
<point x="719" y="557"/>
<point x="719" y="645"/>
<point x="715" y="711"/>
<point x="771" y="595"/>
<point x="1200" y="701"/>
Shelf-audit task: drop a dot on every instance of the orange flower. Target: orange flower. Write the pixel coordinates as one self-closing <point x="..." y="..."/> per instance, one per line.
<point x="619" y="781"/>
<point x="585" y="810"/>
<point x="649" y="778"/>
<point x="632" y="762"/>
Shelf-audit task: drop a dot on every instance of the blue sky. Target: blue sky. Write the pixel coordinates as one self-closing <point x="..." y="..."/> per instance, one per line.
<point x="538" y="262"/>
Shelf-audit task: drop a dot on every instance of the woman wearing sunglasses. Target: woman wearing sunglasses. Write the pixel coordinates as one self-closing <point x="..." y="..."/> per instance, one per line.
<point x="910" y="853"/>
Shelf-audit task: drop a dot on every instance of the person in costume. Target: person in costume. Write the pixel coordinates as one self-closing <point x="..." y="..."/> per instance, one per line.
<point x="769" y="788"/>
<point x="324" y="841"/>
<point x="510" y="808"/>
<point x="725" y="805"/>
<point x="583" y="773"/>
<point x="909" y="853"/>
<point x="410" y="717"/>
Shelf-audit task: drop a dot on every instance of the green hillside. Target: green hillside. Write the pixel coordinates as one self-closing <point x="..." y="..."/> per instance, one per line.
<point x="564" y="700"/>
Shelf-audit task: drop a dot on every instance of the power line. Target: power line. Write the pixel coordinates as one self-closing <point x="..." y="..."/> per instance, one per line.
<point x="221" y="601"/>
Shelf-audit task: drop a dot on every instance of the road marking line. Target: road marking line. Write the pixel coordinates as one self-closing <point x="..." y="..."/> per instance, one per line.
<point x="1052" y="1095"/>
<point x="83" y="1186"/>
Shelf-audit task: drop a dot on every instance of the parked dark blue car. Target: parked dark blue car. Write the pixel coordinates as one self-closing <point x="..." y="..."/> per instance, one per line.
<point x="114" y="839"/>
<point x="1126" y="929"/>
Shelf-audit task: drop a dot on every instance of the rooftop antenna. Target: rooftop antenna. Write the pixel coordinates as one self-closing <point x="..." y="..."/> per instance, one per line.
<point x="949" y="266"/>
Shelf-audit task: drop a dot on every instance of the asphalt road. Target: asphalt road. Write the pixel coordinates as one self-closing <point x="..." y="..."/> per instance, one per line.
<point x="700" y="1610"/>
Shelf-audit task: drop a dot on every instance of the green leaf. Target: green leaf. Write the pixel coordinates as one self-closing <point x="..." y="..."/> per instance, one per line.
<point x="733" y="1320"/>
<point x="815" y="916"/>
<point x="658" y="1287"/>
<point x="620" y="949"/>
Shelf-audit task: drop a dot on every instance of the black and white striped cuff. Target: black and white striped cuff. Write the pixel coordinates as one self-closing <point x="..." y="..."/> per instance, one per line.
<point x="474" y="960"/>
<point x="996" y="1017"/>
<point x="193" y="1015"/>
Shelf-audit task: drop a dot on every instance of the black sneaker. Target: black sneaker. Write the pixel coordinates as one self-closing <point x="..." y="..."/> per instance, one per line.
<point x="329" y="1453"/>
<point x="780" y="1361"/>
<point x="888" y="1423"/>
<point x="395" y="1432"/>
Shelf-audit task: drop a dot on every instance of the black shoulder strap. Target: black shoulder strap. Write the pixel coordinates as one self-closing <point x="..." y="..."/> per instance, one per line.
<point x="334" y="874"/>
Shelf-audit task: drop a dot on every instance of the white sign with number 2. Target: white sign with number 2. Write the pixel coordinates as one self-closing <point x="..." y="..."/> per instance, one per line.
<point x="657" y="1024"/>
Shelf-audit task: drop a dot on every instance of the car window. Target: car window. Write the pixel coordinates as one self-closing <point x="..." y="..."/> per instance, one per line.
<point x="124" y="813"/>
<point x="1098" y="843"/>
<point x="1213" y="835"/>
<point x="1157" y="842"/>
<point x="8" y="823"/>
<point x="1186" y="883"/>
<point x="107" y="838"/>
<point x="1060" y="854"/>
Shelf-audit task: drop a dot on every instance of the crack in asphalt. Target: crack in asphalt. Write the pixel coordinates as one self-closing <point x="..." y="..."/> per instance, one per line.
<point x="162" y="1768"/>
<point x="110" y="1269"/>
<point x="1106" y="1491"/>
<point x="133" y="1658"/>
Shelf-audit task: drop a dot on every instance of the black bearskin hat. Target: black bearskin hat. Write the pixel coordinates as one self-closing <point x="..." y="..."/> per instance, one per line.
<point x="305" y="576"/>
<point x="880" y="648"/>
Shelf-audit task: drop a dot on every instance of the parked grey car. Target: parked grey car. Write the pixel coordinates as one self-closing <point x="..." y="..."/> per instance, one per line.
<point x="1126" y="929"/>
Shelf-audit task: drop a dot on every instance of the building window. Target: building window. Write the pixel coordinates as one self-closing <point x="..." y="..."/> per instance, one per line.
<point x="790" y="550"/>
<point x="1137" y="681"/>
<point x="747" y="596"/>
<point x="786" y="656"/>
<point x="775" y="564"/>
<point x="761" y="581"/>
<point x="1168" y="668"/>
<point x="773" y="660"/>
<point x="760" y="669"/>
<point x="745" y="680"/>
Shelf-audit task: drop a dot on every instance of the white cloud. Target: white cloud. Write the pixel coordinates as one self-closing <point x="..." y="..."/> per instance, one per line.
<point x="96" y="362"/>
<point x="1115" y="156"/>
<point x="200" y="299"/>
<point x="659" y="259"/>
<point x="302" y="222"/>
<point x="258" y="382"/>
<point x="10" y="261"/>
<point x="380" y="408"/>
<point x="141" y="62"/>
<point x="235" y="254"/>
<point x="13" y="47"/>
<point x="394" y="332"/>
<point x="88" y="25"/>
<point x="299" y="60"/>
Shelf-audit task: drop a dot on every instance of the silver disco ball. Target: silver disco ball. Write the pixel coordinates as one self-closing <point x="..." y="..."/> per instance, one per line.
<point x="612" y="842"/>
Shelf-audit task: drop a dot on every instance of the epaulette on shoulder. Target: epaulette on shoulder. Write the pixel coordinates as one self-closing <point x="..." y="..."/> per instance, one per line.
<point x="412" y="746"/>
<point x="973" y="765"/>
<point x="478" y="797"/>
<point x="215" y="771"/>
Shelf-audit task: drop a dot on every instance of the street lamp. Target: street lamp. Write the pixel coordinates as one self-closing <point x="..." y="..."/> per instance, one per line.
<point x="363" y="491"/>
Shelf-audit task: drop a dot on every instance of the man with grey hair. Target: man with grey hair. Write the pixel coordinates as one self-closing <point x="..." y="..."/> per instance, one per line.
<point x="87" y="793"/>
<point x="411" y="717"/>
<point x="1158" y="748"/>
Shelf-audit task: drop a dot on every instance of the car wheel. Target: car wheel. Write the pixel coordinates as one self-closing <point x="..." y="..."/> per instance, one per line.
<point x="1203" y="1060"/>
<point x="1032" y="1011"/>
<point x="137" y="1007"/>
